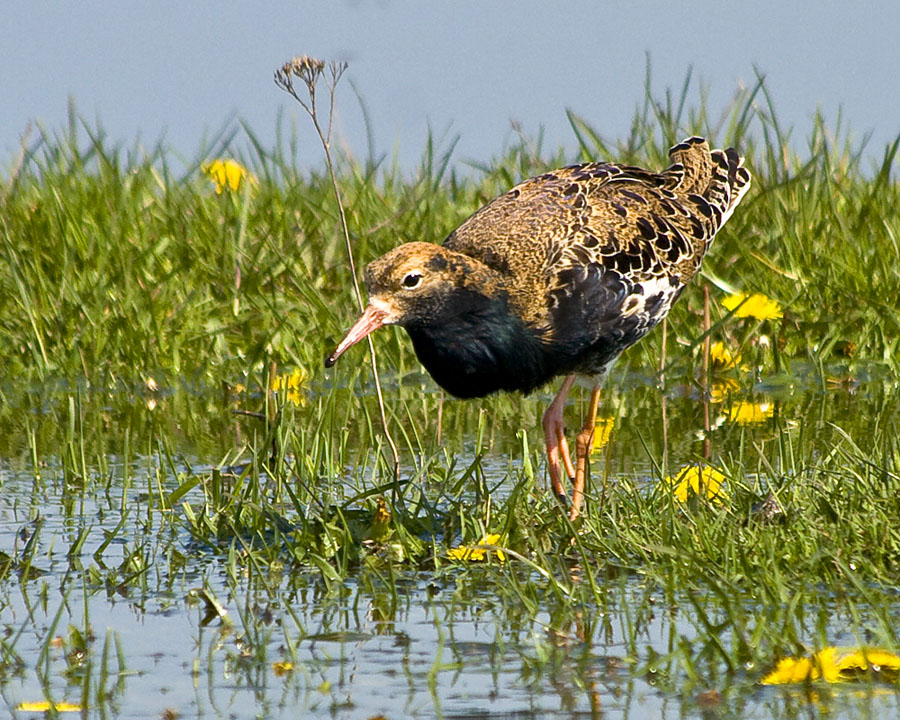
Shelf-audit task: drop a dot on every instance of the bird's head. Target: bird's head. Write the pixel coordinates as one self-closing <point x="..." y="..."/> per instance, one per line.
<point x="412" y="286"/>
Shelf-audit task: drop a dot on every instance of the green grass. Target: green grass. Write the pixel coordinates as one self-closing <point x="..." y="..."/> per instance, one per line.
<point x="118" y="270"/>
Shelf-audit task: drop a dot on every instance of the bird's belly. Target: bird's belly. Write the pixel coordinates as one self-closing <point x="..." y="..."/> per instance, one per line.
<point x="596" y="357"/>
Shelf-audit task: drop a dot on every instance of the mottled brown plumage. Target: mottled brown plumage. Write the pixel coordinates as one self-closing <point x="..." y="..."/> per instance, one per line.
<point x="555" y="277"/>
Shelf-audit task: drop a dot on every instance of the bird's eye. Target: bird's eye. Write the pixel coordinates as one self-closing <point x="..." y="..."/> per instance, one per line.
<point x="412" y="279"/>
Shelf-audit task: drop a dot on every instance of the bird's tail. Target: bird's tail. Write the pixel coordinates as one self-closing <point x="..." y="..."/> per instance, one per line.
<point x="730" y="182"/>
<point x="717" y="175"/>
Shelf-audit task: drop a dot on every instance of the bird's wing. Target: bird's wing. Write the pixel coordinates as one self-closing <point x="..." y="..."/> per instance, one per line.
<point x="593" y="244"/>
<point x="640" y="237"/>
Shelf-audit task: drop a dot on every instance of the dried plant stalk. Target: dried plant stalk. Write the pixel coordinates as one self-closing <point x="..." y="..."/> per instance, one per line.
<point x="309" y="71"/>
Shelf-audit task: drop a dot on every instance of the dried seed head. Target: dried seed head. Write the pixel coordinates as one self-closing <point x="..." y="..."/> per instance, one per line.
<point x="307" y="68"/>
<point x="307" y="65"/>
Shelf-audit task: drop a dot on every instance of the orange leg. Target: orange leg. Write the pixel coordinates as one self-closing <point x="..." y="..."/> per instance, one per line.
<point x="555" y="437"/>
<point x="583" y="445"/>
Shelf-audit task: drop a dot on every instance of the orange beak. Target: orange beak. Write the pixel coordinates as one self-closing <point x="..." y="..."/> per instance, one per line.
<point x="371" y="319"/>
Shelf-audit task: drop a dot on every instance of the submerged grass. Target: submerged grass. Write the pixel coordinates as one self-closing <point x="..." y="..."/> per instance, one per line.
<point x="129" y="292"/>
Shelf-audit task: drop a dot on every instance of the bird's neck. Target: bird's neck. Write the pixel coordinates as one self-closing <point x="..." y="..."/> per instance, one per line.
<point x="478" y="346"/>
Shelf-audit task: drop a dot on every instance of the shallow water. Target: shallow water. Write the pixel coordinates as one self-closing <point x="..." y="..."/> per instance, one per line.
<point x="107" y="568"/>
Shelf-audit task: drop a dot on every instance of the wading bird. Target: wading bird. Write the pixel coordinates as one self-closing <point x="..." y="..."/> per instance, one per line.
<point x="555" y="277"/>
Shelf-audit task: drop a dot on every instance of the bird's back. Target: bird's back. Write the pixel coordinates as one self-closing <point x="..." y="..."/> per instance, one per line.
<point x="594" y="255"/>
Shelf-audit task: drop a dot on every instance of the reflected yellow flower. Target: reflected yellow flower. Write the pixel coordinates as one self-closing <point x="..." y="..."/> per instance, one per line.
<point x="696" y="481"/>
<point x="474" y="553"/>
<point x="292" y="385"/>
<point x="836" y="665"/>
<point x="602" y="431"/>
<point x="721" y="356"/>
<point x="44" y="706"/>
<point x="380" y="528"/>
<point x="282" y="668"/>
<point x="748" y="413"/>
<point x="756" y="306"/>
<point x="226" y="174"/>
<point x="721" y="388"/>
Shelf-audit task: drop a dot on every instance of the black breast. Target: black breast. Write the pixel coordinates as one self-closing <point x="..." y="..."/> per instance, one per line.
<point x="477" y="347"/>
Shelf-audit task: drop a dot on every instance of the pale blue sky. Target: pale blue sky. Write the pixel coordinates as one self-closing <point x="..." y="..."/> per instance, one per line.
<point x="183" y="68"/>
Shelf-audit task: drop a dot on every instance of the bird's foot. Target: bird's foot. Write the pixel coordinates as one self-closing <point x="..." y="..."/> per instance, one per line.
<point x="558" y="459"/>
<point x="564" y="499"/>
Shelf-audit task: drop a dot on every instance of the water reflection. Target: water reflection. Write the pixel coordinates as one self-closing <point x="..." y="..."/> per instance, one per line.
<point x="102" y="594"/>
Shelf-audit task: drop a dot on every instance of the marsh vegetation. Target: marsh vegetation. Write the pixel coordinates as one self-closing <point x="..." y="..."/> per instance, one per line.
<point x="197" y="519"/>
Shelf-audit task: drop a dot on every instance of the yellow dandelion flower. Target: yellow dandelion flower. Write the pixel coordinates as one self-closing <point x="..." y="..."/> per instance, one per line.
<point x="226" y="174"/>
<point x="45" y="706"/>
<point x="748" y="413"/>
<point x="721" y="356"/>
<point x="292" y="385"/>
<point x="696" y="481"/>
<point x="835" y="665"/>
<point x="756" y="306"/>
<point x="602" y="431"/>
<point x="865" y="659"/>
<point x="799" y="670"/>
<point x="473" y="553"/>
